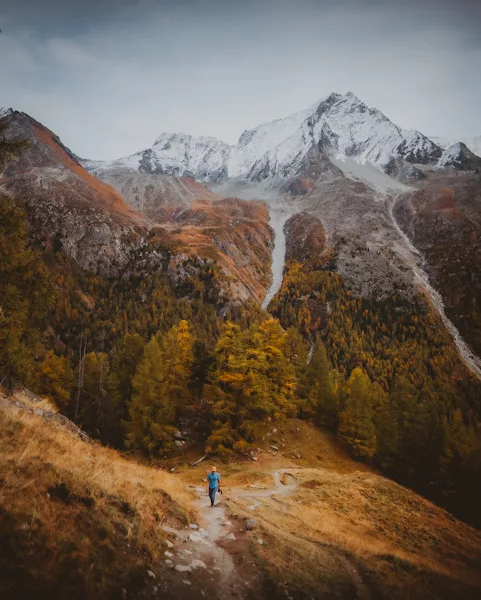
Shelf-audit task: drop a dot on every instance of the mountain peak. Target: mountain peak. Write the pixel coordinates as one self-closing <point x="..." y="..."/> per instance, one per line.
<point x="339" y="126"/>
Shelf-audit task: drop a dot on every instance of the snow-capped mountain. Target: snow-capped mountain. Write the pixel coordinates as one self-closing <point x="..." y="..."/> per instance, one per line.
<point x="340" y="126"/>
<point x="204" y="158"/>
<point x="473" y="143"/>
<point x="459" y="156"/>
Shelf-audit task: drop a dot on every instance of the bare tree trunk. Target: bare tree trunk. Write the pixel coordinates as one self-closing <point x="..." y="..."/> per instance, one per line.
<point x="196" y="462"/>
<point x="101" y="395"/>
<point x="81" y="371"/>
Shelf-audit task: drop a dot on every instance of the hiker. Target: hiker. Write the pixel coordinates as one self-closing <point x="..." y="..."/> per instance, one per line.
<point x="213" y="485"/>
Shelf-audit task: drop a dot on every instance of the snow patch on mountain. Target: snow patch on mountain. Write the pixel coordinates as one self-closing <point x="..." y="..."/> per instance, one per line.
<point x="449" y="156"/>
<point x="338" y="126"/>
<point x="473" y="143"/>
<point x="369" y="174"/>
<point x="174" y="154"/>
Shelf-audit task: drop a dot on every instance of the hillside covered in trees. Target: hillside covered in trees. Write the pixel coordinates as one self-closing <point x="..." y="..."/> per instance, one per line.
<point x="132" y="358"/>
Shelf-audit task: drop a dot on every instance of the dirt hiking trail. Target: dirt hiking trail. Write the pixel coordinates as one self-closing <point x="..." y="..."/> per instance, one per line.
<point x="216" y="553"/>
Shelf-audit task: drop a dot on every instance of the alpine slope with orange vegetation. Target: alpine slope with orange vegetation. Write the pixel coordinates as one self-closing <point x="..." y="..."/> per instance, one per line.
<point x="94" y="224"/>
<point x="320" y="525"/>
<point x="233" y="233"/>
<point x="87" y="217"/>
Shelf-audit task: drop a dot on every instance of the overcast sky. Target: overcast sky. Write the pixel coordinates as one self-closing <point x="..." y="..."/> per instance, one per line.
<point x="108" y="76"/>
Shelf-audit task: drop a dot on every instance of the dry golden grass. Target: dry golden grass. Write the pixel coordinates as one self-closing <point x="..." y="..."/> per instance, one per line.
<point x="293" y="438"/>
<point x="77" y="520"/>
<point x="347" y="531"/>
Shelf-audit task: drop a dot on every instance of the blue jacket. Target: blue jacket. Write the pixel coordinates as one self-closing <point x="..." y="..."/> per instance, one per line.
<point x="213" y="479"/>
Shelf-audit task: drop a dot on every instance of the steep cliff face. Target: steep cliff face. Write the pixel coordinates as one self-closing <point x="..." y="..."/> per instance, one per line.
<point x="150" y="218"/>
<point x="444" y="222"/>
<point x="232" y="233"/>
<point x="305" y="238"/>
<point x="86" y="216"/>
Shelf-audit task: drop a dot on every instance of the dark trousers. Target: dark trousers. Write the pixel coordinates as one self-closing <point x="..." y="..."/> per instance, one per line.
<point x="212" y="493"/>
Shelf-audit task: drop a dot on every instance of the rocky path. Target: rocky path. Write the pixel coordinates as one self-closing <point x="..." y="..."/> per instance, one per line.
<point x="214" y="554"/>
<point x="213" y="558"/>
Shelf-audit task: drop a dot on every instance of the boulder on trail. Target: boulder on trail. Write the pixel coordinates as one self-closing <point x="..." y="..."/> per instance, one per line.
<point x="250" y="524"/>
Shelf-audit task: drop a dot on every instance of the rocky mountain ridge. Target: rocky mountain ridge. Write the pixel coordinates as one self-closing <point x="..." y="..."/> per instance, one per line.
<point x="92" y="222"/>
<point x="339" y="126"/>
<point x="473" y="143"/>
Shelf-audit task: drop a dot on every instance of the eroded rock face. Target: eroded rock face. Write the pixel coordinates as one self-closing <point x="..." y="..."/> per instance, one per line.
<point x="232" y="233"/>
<point x="444" y="223"/>
<point x="305" y="238"/>
<point x="88" y="218"/>
<point x="165" y="220"/>
<point x="367" y="250"/>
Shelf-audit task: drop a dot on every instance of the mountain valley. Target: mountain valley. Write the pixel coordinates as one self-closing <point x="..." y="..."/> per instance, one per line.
<point x="303" y="307"/>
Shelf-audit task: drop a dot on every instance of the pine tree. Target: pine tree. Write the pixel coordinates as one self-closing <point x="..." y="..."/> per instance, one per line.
<point x="459" y="448"/>
<point x="152" y="411"/>
<point x="177" y="357"/>
<point x="160" y="390"/>
<point x="54" y="379"/>
<point x="125" y="361"/>
<point x="26" y="294"/>
<point x="419" y="437"/>
<point x="356" y="421"/>
<point x="385" y="420"/>
<point x="94" y="394"/>
<point x="321" y="402"/>
<point x="253" y="380"/>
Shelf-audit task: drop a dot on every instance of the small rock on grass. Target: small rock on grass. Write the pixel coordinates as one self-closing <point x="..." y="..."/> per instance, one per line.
<point x="186" y="581"/>
<point x="250" y="524"/>
<point x="231" y="536"/>
<point x="169" y="554"/>
<point x="183" y="568"/>
<point x="169" y="563"/>
<point x="169" y="544"/>
<point x="193" y="526"/>
<point x="151" y="574"/>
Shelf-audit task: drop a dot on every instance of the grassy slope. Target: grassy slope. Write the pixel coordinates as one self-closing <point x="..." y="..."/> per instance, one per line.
<point x="79" y="521"/>
<point x="76" y="519"/>
<point x="347" y="532"/>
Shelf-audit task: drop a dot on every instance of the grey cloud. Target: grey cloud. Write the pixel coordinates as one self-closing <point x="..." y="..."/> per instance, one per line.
<point x="109" y="76"/>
